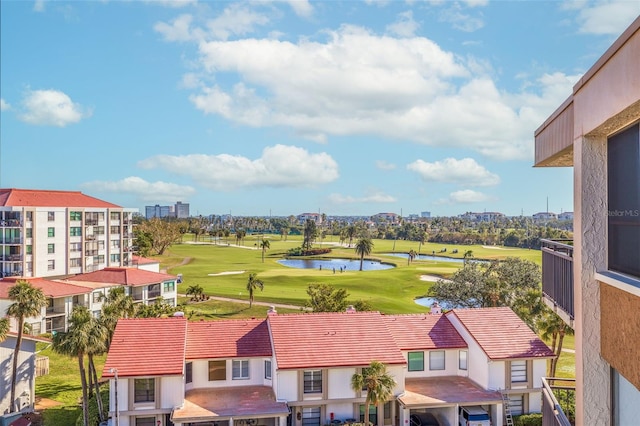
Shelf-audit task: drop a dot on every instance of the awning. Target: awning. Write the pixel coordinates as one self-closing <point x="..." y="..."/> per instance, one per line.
<point x="243" y="402"/>
<point x="445" y="391"/>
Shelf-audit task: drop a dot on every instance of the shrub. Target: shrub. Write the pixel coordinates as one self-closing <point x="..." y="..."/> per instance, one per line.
<point x="298" y="251"/>
<point x="534" y="419"/>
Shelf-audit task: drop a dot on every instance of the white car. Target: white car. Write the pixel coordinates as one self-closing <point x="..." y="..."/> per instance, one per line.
<point x="474" y="416"/>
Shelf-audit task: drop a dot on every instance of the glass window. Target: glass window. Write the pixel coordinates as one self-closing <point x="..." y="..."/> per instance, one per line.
<point x="516" y="403"/>
<point x="115" y="258"/>
<point x="75" y="231"/>
<point x="416" y="361"/>
<point x="51" y="216"/>
<point x="51" y="232"/>
<point x="114" y="229"/>
<point x="145" y="421"/>
<point x="114" y="215"/>
<point x="29" y="232"/>
<point x="169" y="287"/>
<point x="373" y="414"/>
<point x="75" y="247"/>
<point x="144" y="390"/>
<point x="313" y="381"/>
<point x="75" y="215"/>
<point x="51" y="265"/>
<point x="217" y="370"/>
<point x="188" y="372"/>
<point x="267" y="369"/>
<point x="51" y="248"/>
<point x="240" y="369"/>
<point x="518" y="371"/>
<point x="29" y="216"/>
<point x="75" y="263"/>
<point x="462" y="360"/>
<point x="98" y="230"/>
<point x="115" y="244"/>
<point x="311" y="416"/>
<point x="436" y="360"/>
<point x="97" y="296"/>
<point x="29" y="249"/>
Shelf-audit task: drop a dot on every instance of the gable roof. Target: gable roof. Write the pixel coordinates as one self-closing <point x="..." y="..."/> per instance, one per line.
<point x="147" y="347"/>
<point x="50" y="288"/>
<point x="124" y="276"/>
<point x="501" y="333"/>
<point x="233" y="339"/>
<point x="12" y="197"/>
<point x="333" y="339"/>
<point x="423" y="331"/>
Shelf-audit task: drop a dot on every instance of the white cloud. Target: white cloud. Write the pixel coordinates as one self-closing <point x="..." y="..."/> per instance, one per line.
<point x="464" y="172"/>
<point x="235" y="20"/>
<point x="405" y="25"/>
<point x="301" y="7"/>
<point x="466" y="196"/>
<point x="146" y="191"/>
<point x="38" y="6"/>
<point x="4" y="106"/>
<point x="175" y="4"/>
<point x="607" y="17"/>
<point x="384" y="165"/>
<point x="178" y="30"/>
<point x="460" y="20"/>
<point x="51" y="108"/>
<point x="279" y="166"/>
<point x="374" y="197"/>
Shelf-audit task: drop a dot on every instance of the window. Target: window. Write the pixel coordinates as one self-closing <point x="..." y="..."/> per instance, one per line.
<point x="29" y="249"/>
<point x="169" y="287"/>
<point x="145" y="421"/>
<point x="51" y="232"/>
<point x="462" y="360"/>
<point x="100" y="245"/>
<point x="115" y="244"/>
<point x="114" y="215"/>
<point x="51" y="216"/>
<point x="313" y="381"/>
<point x="115" y="258"/>
<point x="240" y="369"/>
<point x="75" y="231"/>
<point x="51" y="265"/>
<point x="97" y="296"/>
<point x="518" y="371"/>
<point x="416" y="361"/>
<point x="188" y="371"/>
<point x="29" y="232"/>
<point x="311" y="416"/>
<point x="29" y="216"/>
<point x="436" y="360"/>
<point x="98" y="259"/>
<point x="267" y="369"/>
<point x="98" y="230"/>
<point x="75" y="263"/>
<point x="51" y="248"/>
<point x="373" y="413"/>
<point x="75" y="215"/>
<point x="114" y="230"/>
<point x="75" y="247"/>
<point x="623" y="193"/>
<point x="144" y="390"/>
<point x="217" y="370"/>
<point x="516" y="403"/>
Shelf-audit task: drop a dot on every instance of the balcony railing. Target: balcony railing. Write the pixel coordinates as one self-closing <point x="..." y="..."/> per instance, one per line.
<point x="12" y="258"/>
<point x="557" y="274"/>
<point x="11" y="223"/>
<point x="554" y="411"/>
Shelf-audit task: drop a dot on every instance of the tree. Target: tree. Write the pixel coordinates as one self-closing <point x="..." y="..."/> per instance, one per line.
<point x="252" y="285"/>
<point x="28" y="302"/>
<point x="364" y="246"/>
<point x="310" y="233"/>
<point x="196" y="292"/>
<point x="555" y="329"/>
<point x="4" y="329"/>
<point x="162" y="234"/>
<point x="350" y="233"/>
<point x="467" y="256"/>
<point x="264" y="245"/>
<point x="115" y="306"/>
<point x="378" y="384"/>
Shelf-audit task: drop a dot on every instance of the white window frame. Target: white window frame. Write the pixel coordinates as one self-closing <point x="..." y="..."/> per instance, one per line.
<point x="240" y="369"/>
<point x="267" y="369"/>
<point x="437" y="360"/>
<point x="519" y="373"/>
<point x="463" y="360"/>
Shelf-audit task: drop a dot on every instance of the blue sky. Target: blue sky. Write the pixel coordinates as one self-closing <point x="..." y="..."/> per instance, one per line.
<point x="284" y="107"/>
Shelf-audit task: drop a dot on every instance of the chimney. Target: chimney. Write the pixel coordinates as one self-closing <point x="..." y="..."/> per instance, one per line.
<point x="178" y="314"/>
<point x="436" y="309"/>
<point x="351" y="309"/>
<point x="272" y="311"/>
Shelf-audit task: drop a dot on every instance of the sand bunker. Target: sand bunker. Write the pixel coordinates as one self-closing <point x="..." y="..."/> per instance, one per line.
<point x="227" y="273"/>
<point x="432" y="278"/>
<point x="496" y="248"/>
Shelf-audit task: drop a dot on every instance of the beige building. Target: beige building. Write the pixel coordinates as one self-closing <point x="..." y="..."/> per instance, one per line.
<point x="595" y="283"/>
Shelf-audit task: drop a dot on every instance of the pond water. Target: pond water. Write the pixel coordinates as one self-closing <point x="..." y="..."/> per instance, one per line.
<point x="337" y="264"/>
<point x="428" y="301"/>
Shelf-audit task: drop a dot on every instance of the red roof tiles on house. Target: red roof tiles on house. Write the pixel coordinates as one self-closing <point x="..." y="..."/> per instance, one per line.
<point x="48" y="198"/>
<point x="423" y="331"/>
<point x="501" y="333"/>
<point x="233" y="339"/>
<point x="147" y="347"/>
<point x="49" y="288"/>
<point x="124" y="276"/>
<point x="332" y="340"/>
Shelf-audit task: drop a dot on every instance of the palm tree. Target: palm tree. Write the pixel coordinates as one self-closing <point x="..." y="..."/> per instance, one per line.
<point x="252" y="285"/>
<point x="554" y="328"/>
<point x="116" y="305"/>
<point x="467" y="256"/>
<point x="29" y="301"/>
<point x="378" y="384"/>
<point x="264" y="245"/>
<point x="4" y="329"/>
<point x="195" y="291"/>
<point x="350" y="233"/>
<point x="363" y="248"/>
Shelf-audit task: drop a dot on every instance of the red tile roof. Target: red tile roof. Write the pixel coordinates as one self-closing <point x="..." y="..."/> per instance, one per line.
<point x="124" y="276"/>
<point x="501" y="333"/>
<point x="147" y="347"/>
<point x="233" y="339"/>
<point x="423" y="331"/>
<point x="48" y="287"/>
<point x="47" y="198"/>
<point x="332" y="340"/>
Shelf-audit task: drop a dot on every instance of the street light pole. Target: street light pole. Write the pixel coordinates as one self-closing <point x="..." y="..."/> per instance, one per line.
<point x="115" y="372"/>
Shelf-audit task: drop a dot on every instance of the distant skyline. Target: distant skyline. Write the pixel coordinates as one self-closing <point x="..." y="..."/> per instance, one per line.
<point x="286" y="107"/>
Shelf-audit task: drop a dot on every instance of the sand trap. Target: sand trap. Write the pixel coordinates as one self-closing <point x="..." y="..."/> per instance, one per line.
<point x="433" y="278"/>
<point x="227" y="273"/>
<point x="496" y="248"/>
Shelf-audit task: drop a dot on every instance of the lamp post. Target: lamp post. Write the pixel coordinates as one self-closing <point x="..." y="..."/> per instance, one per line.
<point x="115" y="373"/>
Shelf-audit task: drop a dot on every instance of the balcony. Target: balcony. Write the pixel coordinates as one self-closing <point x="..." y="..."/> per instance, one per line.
<point x="12" y="258"/>
<point x="557" y="277"/>
<point x="13" y="241"/>
<point x="558" y="401"/>
<point x="10" y="223"/>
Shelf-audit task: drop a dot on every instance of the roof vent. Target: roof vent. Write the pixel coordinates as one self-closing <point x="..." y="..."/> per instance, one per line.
<point x="351" y="309"/>
<point x="436" y="309"/>
<point x="178" y="314"/>
<point x="272" y="311"/>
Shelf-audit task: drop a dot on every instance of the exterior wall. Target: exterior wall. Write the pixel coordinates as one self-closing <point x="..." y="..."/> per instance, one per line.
<point x="201" y="374"/>
<point x="287" y="384"/>
<point x="172" y="391"/>
<point x="25" y="389"/>
<point x="539" y="371"/>
<point x="153" y="267"/>
<point x="339" y="383"/>
<point x="41" y="224"/>
<point x="496" y="372"/>
<point x="450" y="364"/>
<point x="477" y="360"/>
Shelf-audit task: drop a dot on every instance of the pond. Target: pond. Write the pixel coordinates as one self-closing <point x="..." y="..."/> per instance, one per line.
<point x="336" y="264"/>
<point x="428" y="301"/>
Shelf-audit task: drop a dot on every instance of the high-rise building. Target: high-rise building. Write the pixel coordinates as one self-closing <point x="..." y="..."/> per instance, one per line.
<point x="158" y="211"/>
<point x="53" y="233"/>
<point x="181" y="210"/>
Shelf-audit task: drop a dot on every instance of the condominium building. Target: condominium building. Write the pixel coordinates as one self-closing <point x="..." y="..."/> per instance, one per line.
<point x="594" y="283"/>
<point x="55" y="233"/>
